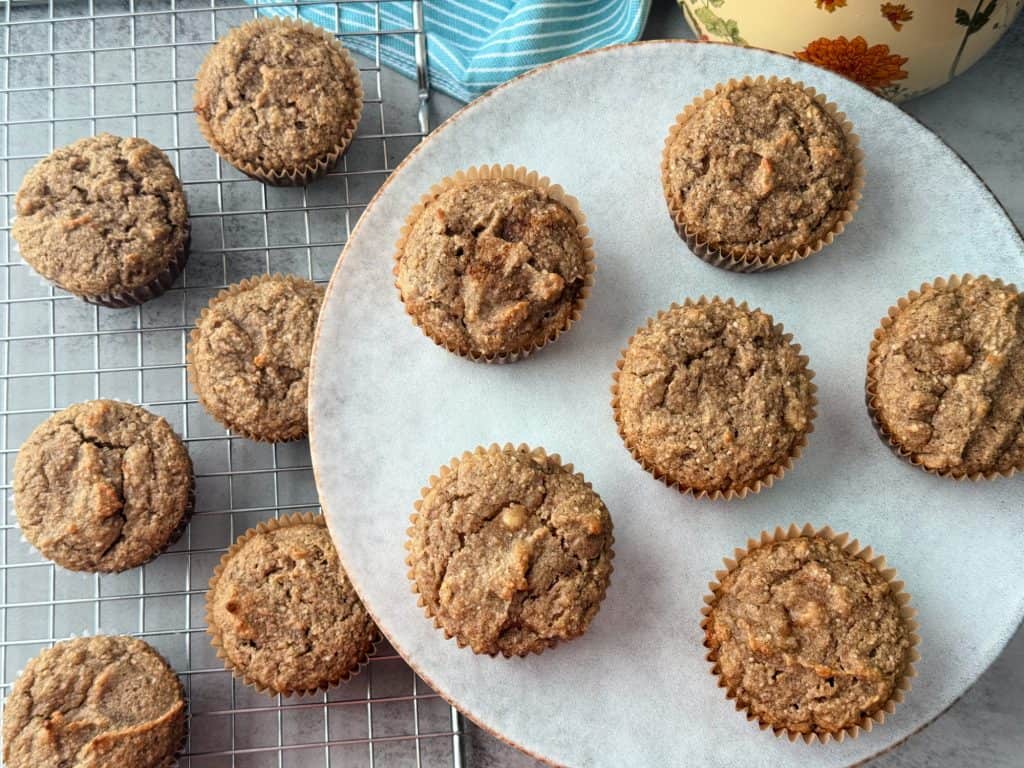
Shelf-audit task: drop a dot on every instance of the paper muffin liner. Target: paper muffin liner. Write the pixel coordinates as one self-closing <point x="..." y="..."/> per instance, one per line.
<point x="542" y="457"/>
<point x="718" y="258"/>
<point x="297" y="518"/>
<point x="871" y="381"/>
<point x="531" y="179"/>
<point x="852" y="547"/>
<point x="321" y="165"/>
<point x="731" y="493"/>
<point x="155" y="287"/>
<point x="297" y="433"/>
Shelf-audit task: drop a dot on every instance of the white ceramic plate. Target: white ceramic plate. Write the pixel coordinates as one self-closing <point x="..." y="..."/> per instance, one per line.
<point x="388" y="408"/>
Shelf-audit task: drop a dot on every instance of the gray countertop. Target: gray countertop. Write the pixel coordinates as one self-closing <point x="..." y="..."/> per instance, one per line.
<point x="979" y="115"/>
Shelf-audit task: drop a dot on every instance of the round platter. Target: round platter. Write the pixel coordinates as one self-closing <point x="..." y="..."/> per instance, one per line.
<point x="388" y="408"/>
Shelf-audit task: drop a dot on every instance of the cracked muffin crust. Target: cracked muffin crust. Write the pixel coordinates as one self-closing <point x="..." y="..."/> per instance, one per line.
<point x="248" y="358"/>
<point x="102" y="486"/>
<point x="282" y="612"/>
<point x="808" y="637"/>
<point x="494" y="267"/>
<point x="510" y="551"/>
<point x="104" y="218"/>
<point x="279" y="99"/>
<point x="946" y="377"/>
<point x="713" y="397"/>
<point x="760" y="171"/>
<point x="93" y="702"/>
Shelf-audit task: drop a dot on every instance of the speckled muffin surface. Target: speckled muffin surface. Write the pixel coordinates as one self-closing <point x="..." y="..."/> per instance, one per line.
<point x="510" y="552"/>
<point x="492" y="267"/>
<point x="282" y="612"/>
<point x="95" y="702"/>
<point x="277" y="96"/>
<point x="102" y="216"/>
<point x="713" y="397"/>
<point x="102" y="486"/>
<point x="248" y="359"/>
<point x="807" y="636"/>
<point x="948" y="377"/>
<point x="759" y="170"/>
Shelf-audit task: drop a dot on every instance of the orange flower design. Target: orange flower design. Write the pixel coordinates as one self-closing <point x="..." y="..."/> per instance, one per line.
<point x="872" y="66"/>
<point x="897" y="14"/>
<point x="830" y="5"/>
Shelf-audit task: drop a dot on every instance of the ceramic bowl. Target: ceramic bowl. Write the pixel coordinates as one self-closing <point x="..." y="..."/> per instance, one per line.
<point x="900" y="50"/>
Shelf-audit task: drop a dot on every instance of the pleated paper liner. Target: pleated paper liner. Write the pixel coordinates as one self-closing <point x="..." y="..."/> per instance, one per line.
<point x="172" y="537"/>
<point x="317" y="167"/>
<point x="871" y="381"/>
<point x="155" y="287"/>
<point x="740" y="492"/>
<point x="150" y="290"/>
<point x="541" y="457"/>
<point x="267" y="526"/>
<point x="531" y="179"/>
<point x="752" y="262"/>
<point x="852" y="547"/>
<point x="297" y="431"/>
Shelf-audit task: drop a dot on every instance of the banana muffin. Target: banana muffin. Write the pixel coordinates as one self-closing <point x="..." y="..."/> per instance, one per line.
<point x="494" y="266"/>
<point x="510" y="551"/>
<point x="248" y="359"/>
<point x="281" y="611"/>
<point x="104" y="218"/>
<point x="95" y="701"/>
<point x="809" y="638"/>
<point x="713" y="398"/>
<point x="760" y="173"/>
<point x="102" y="486"/>
<point x="279" y="99"/>
<point x="946" y="377"/>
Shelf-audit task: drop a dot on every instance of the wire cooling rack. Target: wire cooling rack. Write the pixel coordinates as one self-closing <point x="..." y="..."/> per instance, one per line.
<point x="74" y="69"/>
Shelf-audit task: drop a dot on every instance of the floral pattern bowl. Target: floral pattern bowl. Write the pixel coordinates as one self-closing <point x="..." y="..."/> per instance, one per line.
<point x="899" y="49"/>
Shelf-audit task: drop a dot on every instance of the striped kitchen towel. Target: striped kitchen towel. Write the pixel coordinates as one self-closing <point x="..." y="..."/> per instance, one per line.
<point x="473" y="45"/>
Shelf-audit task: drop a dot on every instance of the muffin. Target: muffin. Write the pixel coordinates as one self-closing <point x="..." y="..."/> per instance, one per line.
<point x="713" y="398"/>
<point x="494" y="263"/>
<point x="104" y="218"/>
<point x="248" y="358"/>
<point x="810" y="635"/>
<point x="510" y="551"/>
<point x="282" y="614"/>
<point x="103" y="486"/>
<point x="95" y="701"/>
<point x="945" y="378"/>
<point x="279" y="99"/>
<point x="760" y="173"/>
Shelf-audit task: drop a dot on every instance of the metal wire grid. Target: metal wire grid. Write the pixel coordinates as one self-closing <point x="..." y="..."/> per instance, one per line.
<point x="72" y="69"/>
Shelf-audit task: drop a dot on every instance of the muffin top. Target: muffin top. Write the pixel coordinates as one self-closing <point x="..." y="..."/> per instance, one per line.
<point x="102" y="486"/>
<point x="511" y="552"/>
<point x="249" y="355"/>
<point x="492" y="267"/>
<point x="759" y="170"/>
<point x="808" y="637"/>
<point x="713" y="396"/>
<point x="95" y="701"/>
<point x="284" y="613"/>
<point x="949" y="377"/>
<point x="278" y="95"/>
<point x="104" y="215"/>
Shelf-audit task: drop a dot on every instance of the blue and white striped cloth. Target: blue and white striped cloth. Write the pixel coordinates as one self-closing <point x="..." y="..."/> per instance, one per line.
<point x="474" y="45"/>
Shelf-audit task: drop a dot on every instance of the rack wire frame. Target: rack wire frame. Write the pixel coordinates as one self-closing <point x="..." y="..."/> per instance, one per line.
<point x="72" y="69"/>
